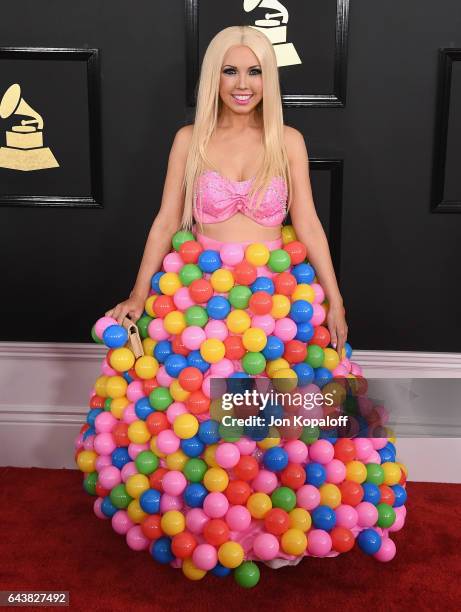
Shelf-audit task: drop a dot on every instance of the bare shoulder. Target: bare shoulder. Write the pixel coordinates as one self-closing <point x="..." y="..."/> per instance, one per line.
<point x="182" y="139"/>
<point x="294" y="141"/>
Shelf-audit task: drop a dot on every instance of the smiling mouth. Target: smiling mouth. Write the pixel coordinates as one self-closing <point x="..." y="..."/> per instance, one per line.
<point x="242" y="97"/>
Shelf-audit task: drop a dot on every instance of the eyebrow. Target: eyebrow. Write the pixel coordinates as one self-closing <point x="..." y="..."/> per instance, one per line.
<point x="230" y="66"/>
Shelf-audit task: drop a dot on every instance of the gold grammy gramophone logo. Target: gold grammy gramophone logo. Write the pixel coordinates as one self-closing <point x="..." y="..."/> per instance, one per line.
<point x="24" y="148"/>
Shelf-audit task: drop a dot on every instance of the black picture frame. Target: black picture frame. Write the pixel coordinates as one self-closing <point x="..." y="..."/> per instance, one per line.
<point x="439" y="204"/>
<point x="91" y="56"/>
<point x="335" y="98"/>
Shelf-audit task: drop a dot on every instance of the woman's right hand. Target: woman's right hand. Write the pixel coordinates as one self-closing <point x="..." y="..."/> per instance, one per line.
<point x="133" y="306"/>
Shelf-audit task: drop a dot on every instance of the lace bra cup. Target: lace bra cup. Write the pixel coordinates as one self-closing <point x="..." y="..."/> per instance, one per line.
<point x="219" y="198"/>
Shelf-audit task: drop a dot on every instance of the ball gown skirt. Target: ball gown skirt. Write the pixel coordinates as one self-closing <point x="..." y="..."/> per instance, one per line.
<point x="192" y="493"/>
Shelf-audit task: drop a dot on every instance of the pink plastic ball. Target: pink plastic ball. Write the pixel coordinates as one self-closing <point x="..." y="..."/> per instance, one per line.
<point x="318" y="316"/>
<point x="156" y="330"/>
<point x="205" y="556"/>
<point x="163" y="378"/>
<point x="216" y="329"/>
<point x="265" y="482"/>
<point x="374" y="457"/>
<point x="319" y="542"/>
<point x="378" y="443"/>
<point x="340" y="370"/>
<point x="121" y="522"/>
<point x="135" y="538"/>
<point x="363" y="448"/>
<point x="308" y="497"/>
<point x="346" y="516"/>
<point x="215" y="504"/>
<point x="356" y="369"/>
<point x="174" y="410"/>
<point x="174" y="482"/>
<point x="172" y="262"/>
<point x="109" y="477"/>
<point x="170" y="502"/>
<point x="182" y="299"/>
<point x="322" y="451"/>
<point x="297" y="451"/>
<point x="386" y="551"/>
<point x="103" y="461"/>
<point x="134" y="449"/>
<point x="104" y="422"/>
<point x="266" y="546"/>
<point x="97" y="508"/>
<point x="107" y="370"/>
<point x="135" y="391"/>
<point x="167" y="442"/>
<point x="128" y="470"/>
<point x="285" y="329"/>
<point x="88" y="443"/>
<point x="367" y="514"/>
<point x="193" y="336"/>
<point x="231" y="253"/>
<point x="222" y="369"/>
<point x="238" y="518"/>
<point x="319" y="293"/>
<point x="265" y="322"/>
<point x="129" y="414"/>
<point x="399" y="519"/>
<point x="196" y="519"/>
<point x="245" y="445"/>
<point x="336" y="471"/>
<point x="104" y="444"/>
<point x="101" y="325"/>
<point x="227" y="455"/>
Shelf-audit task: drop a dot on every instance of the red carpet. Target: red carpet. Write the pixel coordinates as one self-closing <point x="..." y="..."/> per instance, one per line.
<point x="53" y="541"/>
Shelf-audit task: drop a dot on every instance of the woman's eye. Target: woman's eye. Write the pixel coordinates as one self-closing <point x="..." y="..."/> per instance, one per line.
<point x="232" y="70"/>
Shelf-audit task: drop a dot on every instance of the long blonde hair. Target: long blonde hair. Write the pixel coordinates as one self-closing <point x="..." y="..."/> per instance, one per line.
<point x="209" y="103"/>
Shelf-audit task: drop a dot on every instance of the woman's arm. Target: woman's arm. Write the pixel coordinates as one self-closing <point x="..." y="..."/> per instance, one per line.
<point x="309" y="229"/>
<point x="168" y="219"/>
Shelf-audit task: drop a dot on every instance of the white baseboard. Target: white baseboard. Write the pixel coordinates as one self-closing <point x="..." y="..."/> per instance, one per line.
<point x="46" y="386"/>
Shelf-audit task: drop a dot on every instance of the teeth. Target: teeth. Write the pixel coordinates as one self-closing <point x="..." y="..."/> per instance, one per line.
<point x="243" y="97"/>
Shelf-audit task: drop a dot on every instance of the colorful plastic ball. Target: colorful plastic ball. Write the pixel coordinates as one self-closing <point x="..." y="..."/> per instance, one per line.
<point x="319" y="542"/>
<point x="386" y="551"/>
<point x="238" y="518"/>
<point x="149" y="501"/>
<point x="300" y="519"/>
<point x="253" y="363"/>
<point x="386" y="515"/>
<point x="400" y="495"/>
<point x="369" y="541"/>
<point x="115" y="336"/>
<point x="342" y="539"/>
<point x="294" y="542"/>
<point x="183" y="544"/>
<point x="209" y="261"/>
<point x="212" y="350"/>
<point x="356" y="471"/>
<point x="304" y="273"/>
<point x="191" y="571"/>
<point x="279" y="260"/>
<point x="231" y="253"/>
<point x="259" y="505"/>
<point x="275" y="459"/>
<point x="257" y="254"/>
<point x="222" y="280"/>
<point x="254" y="339"/>
<point x="230" y="554"/>
<point x="260" y="303"/>
<point x="122" y="359"/>
<point x="196" y="316"/>
<point x="216" y="531"/>
<point x="238" y="321"/>
<point x="293" y="476"/>
<point x="161" y="550"/>
<point x="274" y="348"/>
<point x="247" y="574"/>
<point x="220" y="571"/>
<point x="392" y="473"/>
<point x="283" y="497"/>
<point x="296" y="250"/>
<point x="218" y="307"/>
<point x="195" y="494"/>
<point x="190" y="250"/>
<point x="323" y="517"/>
<point x="205" y="556"/>
<point x="266" y="546"/>
<point x="316" y="473"/>
<point x="238" y="492"/>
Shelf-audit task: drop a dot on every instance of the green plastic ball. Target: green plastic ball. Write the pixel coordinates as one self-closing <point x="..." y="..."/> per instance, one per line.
<point x="239" y="296"/>
<point x="284" y="497"/>
<point x="146" y="462"/>
<point x="247" y="574"/>
<point x="89" y="483"/>
<point x="253" y="362"/>
<point x="386" y="515"/>
<point x="279" y="260"/>
<point x="195" y="469"/>
<point x="180" y="237"/>
<point x="314" y="356"/>
<point x="95" y="337"/>
<point x="119" y="496"/>
<point x="107" y="403"/>
<point x="310" y="434"/>
<point x="143" y="323"/>
<point x="189" y="272"/>
<point x="375" y="473"/>
<point x="230" y="433"/>
<point x="196" y="315"/>
<point x="160" y="398"/>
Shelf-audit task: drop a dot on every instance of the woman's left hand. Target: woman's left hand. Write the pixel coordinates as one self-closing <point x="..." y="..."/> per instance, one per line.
<point x="337" y="327"/>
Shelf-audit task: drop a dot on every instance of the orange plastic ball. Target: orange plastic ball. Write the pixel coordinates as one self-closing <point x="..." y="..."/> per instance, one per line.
<point x="163" y="305"/>
<point x="244" y="273"/>
<point x="297" y="251"/>
<point x="285" y="283"/>
<point x="216" y="532"/>
<point x="190" y="251"/>
<point x="237" y="492"/>
<point x="200" y="290"/>
<point x="190" y="378"/>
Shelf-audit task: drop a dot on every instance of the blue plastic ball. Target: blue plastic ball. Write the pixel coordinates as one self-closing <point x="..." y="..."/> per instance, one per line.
<point x="263" y="283"/>
<point x="304" y="273"/>
<point x="272" y="411"/>
<point x="120" y="457"/>
<point x="322" y="376"/>
<point x="194" y="495"/>
<point x="195" y="359"/>
<point x="150" y="501"/>
<point x="161" y="550"/>
<point x="400" y="495"/>
<point x="324" y="517"/>
<point x="91" y="416"/>
<point x="275" y="347"/>
<point x="143" y="408"/>
<point x="371" y="493"/>
<point x="91" y="431"/>
<point x="218" y="307"/>
<point x="208" y="432"/>
<point x="154" y="283"/>
<point x="162" y="349"/>
<point x="301" y="311"/>
<point x="316" y="474"/>
<point x="115" y="336"/>
<point x="386" y="454"/>
<point x="305" y="331"/>
<point x="256" y="432"/>
<point x="127" y="377"/>
<point x="220" y="570"/>
<point x="275" y="459"/>
<point x="107" y="507"/>
<point x="174" y="364"/>
<point x="369" y="541"/>
<point x="304" y="372"/>
<point x="348" y="349"/>
<point x="192" y="447"/>
<point x="209" y="260"/>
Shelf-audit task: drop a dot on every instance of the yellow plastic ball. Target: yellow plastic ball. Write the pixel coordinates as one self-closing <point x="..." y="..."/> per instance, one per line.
<point x="259" y="505"/>
<point x="209" y="455"/>
<point x="300" y="519"/>
<point x="303" y="291"/>
<point x="330" y="495"/>
<point x="86" y="461"/>
<point x="336" y="394"/>
<point x="135" y="512"/>
<point x="100" y="386"/>
<point x="276" y="364"/>
<point x="238" y="321"/>
<point x="392" y="439"/>
<point x="230" y="554"/>
<point x="149" y="306"/>
<point x="174" y="322"/>
<point x="116" y="386"/>
<point x="330" y="358"/>
<point x="191" y="571"/>
<point x="148" y="345"/>
<point x="392" y="473"/>
<point x="169" y="283"/>
<point x="212" y="350"/>
<point x="222" y="280"/>
<point x="176" y="460"/>
<point x="177" y="392"/>
<point x="118" y="405"/>
<point x="257" y="254"/>
<point x="284" y="380"/>
<point x="356" y="471"/>
<point x="216" y="479"/>
<point x="173" y="522"/>
<point x="154" y="449"/>
<point x="138" y="432"/>
<point x="146" y="367"/>
<point x="294" y="542"/>
<point x="280" y="305"/>
<point x="122" y="359"/>
<point x="273" y="439"/>
<point x="136" y="485"/>
<point x="185" y="426"/>
<point x="254" y="339"/>
<point x="288" y="234"/>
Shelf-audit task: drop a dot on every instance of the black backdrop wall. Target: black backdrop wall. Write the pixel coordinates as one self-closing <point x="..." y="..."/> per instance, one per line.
<point x="62" y="267"/>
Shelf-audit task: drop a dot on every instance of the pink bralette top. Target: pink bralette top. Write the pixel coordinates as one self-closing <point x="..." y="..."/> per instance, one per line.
<point x="219" y="198"/>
